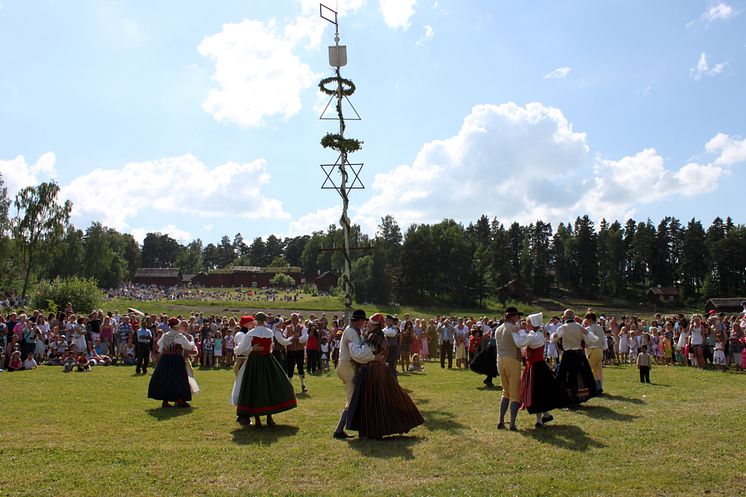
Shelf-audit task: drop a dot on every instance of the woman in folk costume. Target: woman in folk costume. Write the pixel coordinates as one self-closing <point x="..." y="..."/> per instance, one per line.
<point x="170" y="381"/>
<point x="485" y="362"/>
<point x="575" y="374"/>
<point x="540" y="391"/>
<point x="379" y="405"/>
<point x="262" y="386"/>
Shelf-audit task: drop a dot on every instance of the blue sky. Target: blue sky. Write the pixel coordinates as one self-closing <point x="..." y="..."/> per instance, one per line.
<point x="200" y="119"/>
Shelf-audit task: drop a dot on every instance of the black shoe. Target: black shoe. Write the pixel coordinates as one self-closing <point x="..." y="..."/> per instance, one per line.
<point x="513" y="428"/>
<point x="243" y="421"/>
<point x="500" y="426"/>
<point x="547" y="419"/>
<point x="539" y="425"/>
<point x="341" y="435"/>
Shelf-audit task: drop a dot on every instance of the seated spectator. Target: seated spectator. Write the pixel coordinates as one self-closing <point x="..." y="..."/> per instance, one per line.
<point x="30" y="362"/>
<point x="129" y="355"/>
<point x="15" y="361"/>
<point x="82" y="363"/>
<point x="68" y="360"/>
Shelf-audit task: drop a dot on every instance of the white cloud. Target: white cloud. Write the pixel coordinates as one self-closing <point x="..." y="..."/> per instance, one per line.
<point x="732" y="149"/>
<point x="397" y="13"/>
<point x="703" y="68"/>
<point x="18" y="174"/>
<point x="318" y="220"/>
<point x="720" y="11"/>
<point x="559" y="73"/>
<point x="258" y="73"/>
<point x="428" y="33"/>
<point x="717" y="11"/>
<point x="522" y="163"/>
<point x="171" y="230"/>
<point x="170" y="185"/>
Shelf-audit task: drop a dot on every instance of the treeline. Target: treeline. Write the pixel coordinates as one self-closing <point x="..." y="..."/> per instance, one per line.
<point x="445" y="262"/>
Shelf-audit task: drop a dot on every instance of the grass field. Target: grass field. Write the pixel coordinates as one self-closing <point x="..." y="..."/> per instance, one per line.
<point x="335" y="305"/>
<point x="93" y="434"/>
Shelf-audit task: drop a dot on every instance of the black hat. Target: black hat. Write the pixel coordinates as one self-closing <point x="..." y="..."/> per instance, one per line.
<point x="512" y="311"/>
<point x="389" y="316"/>
<point x="358" y="315"/>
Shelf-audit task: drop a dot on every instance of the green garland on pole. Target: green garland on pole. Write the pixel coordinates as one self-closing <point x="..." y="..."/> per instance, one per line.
<point x="337" y="142"/>
<point x="347" y="86"/>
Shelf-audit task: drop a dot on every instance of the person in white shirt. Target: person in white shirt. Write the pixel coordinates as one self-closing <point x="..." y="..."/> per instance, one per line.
<point x="575" y="373"/>
<point x="170" y="380"/>
<point x="30" y="362"/>
<point x="352" y="351"/>
<point x="298" y="334"/>
<point x="392" y="332"/>
<point x="594" y="351"/>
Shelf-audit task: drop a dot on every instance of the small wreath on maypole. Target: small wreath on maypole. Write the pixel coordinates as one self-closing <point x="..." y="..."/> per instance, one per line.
<point x="347" y="86"/>
<point x="337" y="142"/>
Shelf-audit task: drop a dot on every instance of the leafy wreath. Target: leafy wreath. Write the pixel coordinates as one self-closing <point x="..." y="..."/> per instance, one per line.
<point x="337" y="142"/>
<point x="348" y="87"/>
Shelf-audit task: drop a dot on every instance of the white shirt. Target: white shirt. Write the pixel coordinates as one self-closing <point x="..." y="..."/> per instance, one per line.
<point x="599" y="333"/>
<point x="244" y="348"/>
<point x="352" y="348"/>
<point x="390" y="331"/>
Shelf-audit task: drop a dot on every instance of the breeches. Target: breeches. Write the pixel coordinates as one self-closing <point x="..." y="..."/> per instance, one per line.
<point x="510" y="377"/>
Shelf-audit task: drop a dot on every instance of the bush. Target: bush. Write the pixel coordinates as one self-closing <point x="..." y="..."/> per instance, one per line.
<point x="82" y="293"/>
<point x="282" y="280"/>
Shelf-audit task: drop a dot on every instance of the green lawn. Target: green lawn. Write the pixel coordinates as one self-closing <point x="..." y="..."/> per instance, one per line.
<point x="335" y="305"/>
<point x="92" y="434"/>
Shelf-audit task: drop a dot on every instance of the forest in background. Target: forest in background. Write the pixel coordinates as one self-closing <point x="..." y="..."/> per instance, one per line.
<point x="446" y="262"/>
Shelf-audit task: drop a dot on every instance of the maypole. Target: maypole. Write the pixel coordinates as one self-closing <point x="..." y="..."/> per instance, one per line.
<point x="340" y="89"/>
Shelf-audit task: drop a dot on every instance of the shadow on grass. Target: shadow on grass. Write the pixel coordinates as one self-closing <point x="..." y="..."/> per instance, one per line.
<point x="622" y="398"/>
<point x="603" y="412"/>
<point x="386" y="448"/>
<point x="264" y="436"/>
<point x="441" y="421"/>
<point x="563" y="436"/>
<point x="162" y="414"/>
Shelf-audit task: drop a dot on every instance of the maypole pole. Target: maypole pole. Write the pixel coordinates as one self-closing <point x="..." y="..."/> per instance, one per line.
<point x="340" y="89"/>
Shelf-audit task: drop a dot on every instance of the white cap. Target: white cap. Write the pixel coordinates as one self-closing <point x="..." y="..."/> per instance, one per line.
<point x="536" y="319"/>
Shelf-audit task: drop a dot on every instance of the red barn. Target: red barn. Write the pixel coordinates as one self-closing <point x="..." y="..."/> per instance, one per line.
<point x="244" y="276"/>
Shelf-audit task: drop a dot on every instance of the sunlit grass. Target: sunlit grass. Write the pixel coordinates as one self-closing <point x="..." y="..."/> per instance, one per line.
<point x="97" y="434"/>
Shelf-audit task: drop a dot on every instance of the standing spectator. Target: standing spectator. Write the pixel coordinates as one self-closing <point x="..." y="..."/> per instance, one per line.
<point x="217" y="349"/>
<point x="313" y="349"/>
<point x="407" y="335"/>
<point x="445" y="339"/>
<point x="124" y="332"/>
<point x="736" y="346"/>
<point x="643" y="364"/>
<point x="144" y="343"/>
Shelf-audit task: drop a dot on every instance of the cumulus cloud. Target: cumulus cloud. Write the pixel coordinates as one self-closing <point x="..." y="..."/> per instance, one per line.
<point x="18" y="174"/>
<point x="257" y="70"/>
<point x="397" y="13"/>
<point x="171" y="230"/>
<point x="172" y="185"/>
<point x="703" y="68"/>
<point x="559" y="73"/>
<point x="525" y="163"/>
<point x="732" y="149"/>
<point x="428" y="33"/>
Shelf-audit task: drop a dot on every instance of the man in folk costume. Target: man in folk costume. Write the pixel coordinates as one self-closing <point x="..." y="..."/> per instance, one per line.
<point x="540" y="391"/>
<point x="298" y="334"/>
<point x="594" y="352"/>
<point x="509" y="339"/>
<point x="261" y="387"/>
<point x="575" y="373"/>
<point x="393" y="334"/>
<point x="352" y="352"/>
<point x="170" y="380"/>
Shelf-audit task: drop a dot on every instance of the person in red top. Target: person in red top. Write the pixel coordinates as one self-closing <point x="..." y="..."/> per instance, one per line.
<point x="313" y="349"/>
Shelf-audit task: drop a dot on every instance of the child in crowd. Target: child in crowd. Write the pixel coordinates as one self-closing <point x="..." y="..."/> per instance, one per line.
<point x="667" y="348"/>
<point x="68" y="361"/>
<point x="416" y="363"/>
<point x="229" y="348"/>
<point x="324" y="355"/>
<point x="718" y="353"/>
<point x="475" y="340"/>
<point x="633" y="346"/>
<point x="15" y="361"/>
<point x="129" y="355"/>
<point x="208" y="352"/>
<point x="335" y="349"/>
<point x="643" y="364"/>
<point x="30" y="362"/>
<point x="82" y="363"/>
<point x="217" y="349"/>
